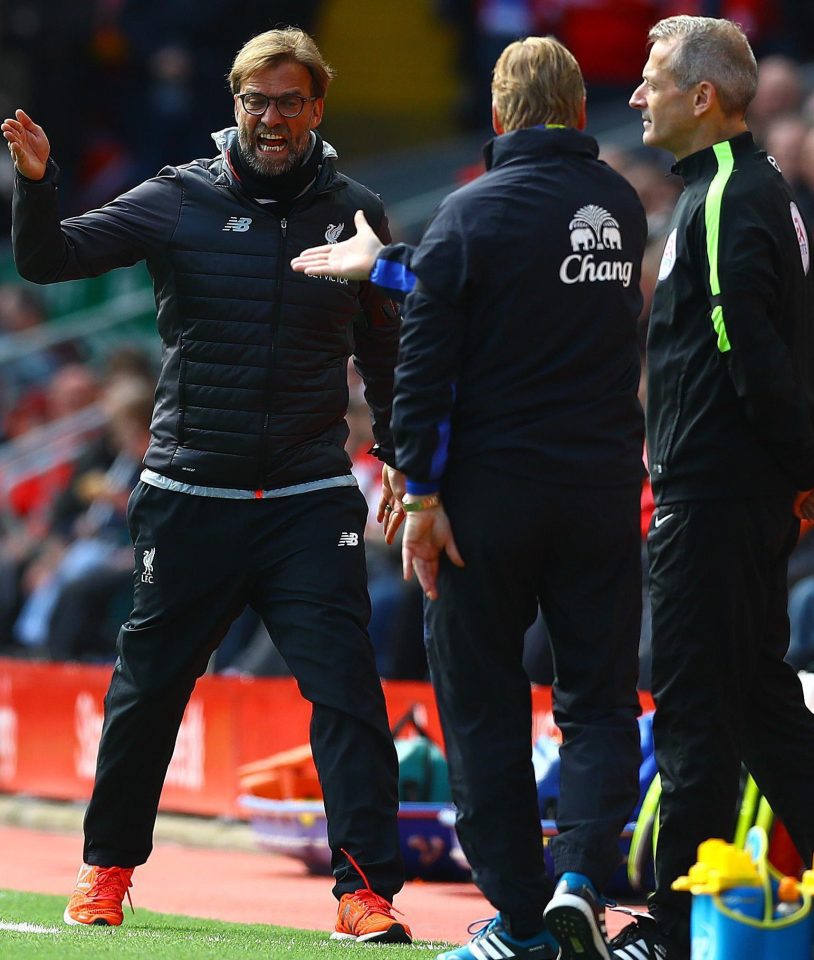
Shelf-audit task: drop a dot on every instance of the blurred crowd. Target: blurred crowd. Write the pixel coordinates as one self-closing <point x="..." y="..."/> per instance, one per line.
<point x="607" y="36"/>
<point x="125" y="87"/>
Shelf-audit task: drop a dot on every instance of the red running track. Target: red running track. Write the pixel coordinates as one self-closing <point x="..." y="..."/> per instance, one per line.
<point x="235" y="886"/>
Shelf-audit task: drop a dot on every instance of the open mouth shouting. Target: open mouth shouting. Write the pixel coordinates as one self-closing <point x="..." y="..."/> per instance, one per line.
<point x="270" y="144"/>
<point x="271" y="152"/>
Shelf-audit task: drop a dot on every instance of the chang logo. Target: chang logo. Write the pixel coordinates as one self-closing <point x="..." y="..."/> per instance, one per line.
<point x="594" y="229"/>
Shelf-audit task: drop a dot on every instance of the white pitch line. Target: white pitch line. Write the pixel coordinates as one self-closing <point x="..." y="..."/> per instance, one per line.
<point x="28" y="928"/>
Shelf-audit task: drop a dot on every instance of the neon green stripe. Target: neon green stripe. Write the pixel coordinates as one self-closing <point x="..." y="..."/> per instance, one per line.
<point x="765" y="815"/>
<point x="645" y="832"/>
<point x="748" y="811"/>
<point x="712" y="217"/>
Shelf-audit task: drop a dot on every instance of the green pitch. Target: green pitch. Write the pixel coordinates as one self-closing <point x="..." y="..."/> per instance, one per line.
<point x="31" y="928"/>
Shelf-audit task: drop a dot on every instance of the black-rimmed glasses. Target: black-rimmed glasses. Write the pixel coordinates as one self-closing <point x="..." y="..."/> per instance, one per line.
<point x="289" y="105"/>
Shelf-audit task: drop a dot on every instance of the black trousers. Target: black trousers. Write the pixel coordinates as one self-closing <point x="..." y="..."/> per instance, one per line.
<point x="723" y="693"/>
<point x="576" y="552"/>
<point x="299" y="561"/>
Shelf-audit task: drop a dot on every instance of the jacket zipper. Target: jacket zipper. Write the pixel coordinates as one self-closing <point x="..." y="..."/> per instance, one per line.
<point x="275" y="326"/>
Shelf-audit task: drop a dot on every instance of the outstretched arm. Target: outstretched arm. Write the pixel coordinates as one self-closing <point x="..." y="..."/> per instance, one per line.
<point x="353" y="258"/>
<point x="27" y="144"/>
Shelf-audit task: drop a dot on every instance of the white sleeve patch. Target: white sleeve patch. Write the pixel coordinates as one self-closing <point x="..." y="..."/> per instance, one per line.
<point x="802" y="236"/>
<point x="668" y="258"/>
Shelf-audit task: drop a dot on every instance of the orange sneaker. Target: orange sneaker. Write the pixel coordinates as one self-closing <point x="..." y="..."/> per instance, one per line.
<point x="98" y="895"/>
<point x="368" y="918"/>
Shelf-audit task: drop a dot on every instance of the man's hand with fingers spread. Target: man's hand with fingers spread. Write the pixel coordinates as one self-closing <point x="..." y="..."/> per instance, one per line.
<point x="28" y="145"/>
<point x="352" y="259"/>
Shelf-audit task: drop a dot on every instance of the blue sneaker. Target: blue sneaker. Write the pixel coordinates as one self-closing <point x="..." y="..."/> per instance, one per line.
<point x="492" y="942"/>
<point x="575" y="916"/>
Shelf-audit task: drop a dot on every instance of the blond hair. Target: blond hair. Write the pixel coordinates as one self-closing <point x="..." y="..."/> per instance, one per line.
<point x="286" y="45"/>
<point x="537" y="80"/>
<point x="713" y="50"/>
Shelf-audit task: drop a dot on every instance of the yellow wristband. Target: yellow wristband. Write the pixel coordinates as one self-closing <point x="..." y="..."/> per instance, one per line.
<point x="422" y="503"/>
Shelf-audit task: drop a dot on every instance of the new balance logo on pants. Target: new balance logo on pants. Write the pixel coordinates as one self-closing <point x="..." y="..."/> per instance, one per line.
<point x="348" y="540"/>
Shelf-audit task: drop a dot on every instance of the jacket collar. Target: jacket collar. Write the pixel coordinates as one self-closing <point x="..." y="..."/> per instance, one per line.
<point x="226" y="177"/>
<point x="538" y="141"/>
<point x="704" y="163"/>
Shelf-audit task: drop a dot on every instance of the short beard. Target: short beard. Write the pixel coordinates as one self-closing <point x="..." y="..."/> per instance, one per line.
<point x="269" y="166"/>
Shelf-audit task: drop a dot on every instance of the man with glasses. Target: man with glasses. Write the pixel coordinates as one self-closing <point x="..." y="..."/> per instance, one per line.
<point x="247" y="494"/>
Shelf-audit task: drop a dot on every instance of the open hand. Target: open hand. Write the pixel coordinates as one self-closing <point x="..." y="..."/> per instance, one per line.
<point x="352" y="259"/>
<point x="28" y="145"/>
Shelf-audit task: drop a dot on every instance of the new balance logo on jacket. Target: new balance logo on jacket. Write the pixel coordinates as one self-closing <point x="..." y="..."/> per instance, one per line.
<point x="348" y="540"/>
<point x="238" y="224"/>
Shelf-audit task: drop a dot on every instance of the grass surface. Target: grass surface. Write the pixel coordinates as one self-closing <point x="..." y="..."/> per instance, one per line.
<point x="31" y="928"/>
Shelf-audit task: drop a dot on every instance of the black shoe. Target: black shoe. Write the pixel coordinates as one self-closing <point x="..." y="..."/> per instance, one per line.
<point x="576" y="917"/>
<point x="644" y="940"/>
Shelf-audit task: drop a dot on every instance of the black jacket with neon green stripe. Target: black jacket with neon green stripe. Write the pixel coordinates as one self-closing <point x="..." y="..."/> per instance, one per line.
<point x="730" y="350"/>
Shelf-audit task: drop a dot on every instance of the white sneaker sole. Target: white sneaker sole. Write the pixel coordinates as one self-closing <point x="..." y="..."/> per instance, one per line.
<point x="78" y="923"/>
<point x="572" y="922"/>
<point x="394" y="934"/>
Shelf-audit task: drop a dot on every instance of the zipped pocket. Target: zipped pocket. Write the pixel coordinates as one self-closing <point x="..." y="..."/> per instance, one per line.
<point x="662" y="459"/>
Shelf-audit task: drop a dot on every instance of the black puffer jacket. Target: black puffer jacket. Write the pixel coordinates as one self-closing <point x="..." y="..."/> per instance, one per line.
<point x="253" y="388"/>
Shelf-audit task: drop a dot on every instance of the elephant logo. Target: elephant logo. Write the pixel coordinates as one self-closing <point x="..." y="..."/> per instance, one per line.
<point x="593" y="228"/>
<point x="582" y="238"/>
<point x="611" y="238"/>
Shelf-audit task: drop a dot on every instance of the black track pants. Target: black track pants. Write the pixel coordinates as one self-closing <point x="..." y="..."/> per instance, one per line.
<point x="577" y="553"/>
<point x="723" y="693"/>
<point x="289" y="560"/>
